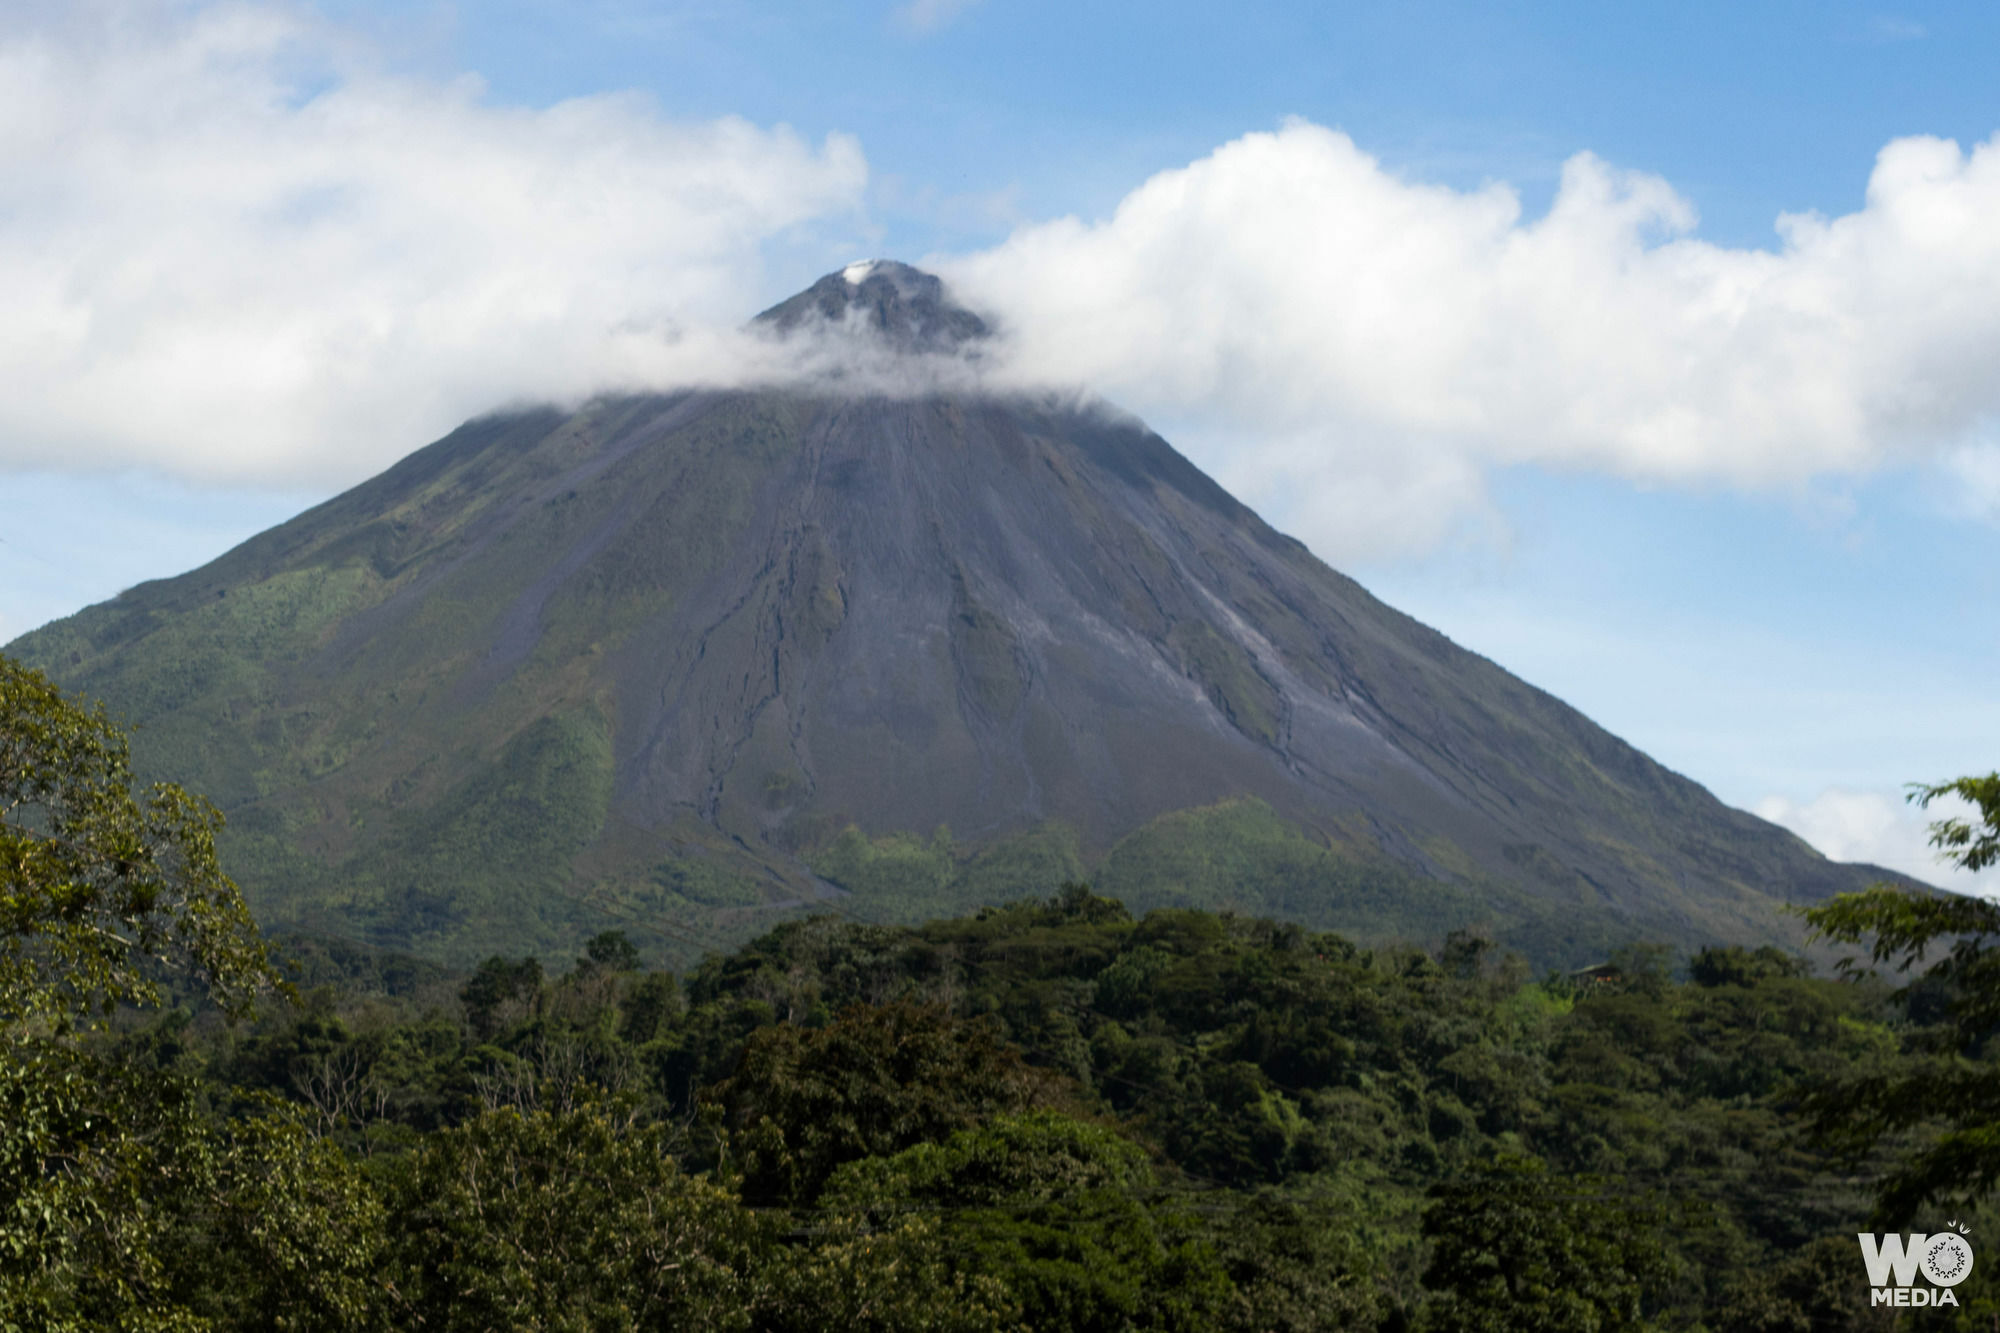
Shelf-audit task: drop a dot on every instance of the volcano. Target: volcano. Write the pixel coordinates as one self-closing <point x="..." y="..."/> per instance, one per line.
<point x="684" y="662"/>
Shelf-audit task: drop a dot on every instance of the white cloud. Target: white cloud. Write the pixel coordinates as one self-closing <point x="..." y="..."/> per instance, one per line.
<point x="1880" y="829"/>
<point x="235" y="250"/>
<point x="1363" y="348"/>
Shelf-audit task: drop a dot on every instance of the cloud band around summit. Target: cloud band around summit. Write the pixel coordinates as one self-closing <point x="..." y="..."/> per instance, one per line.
<point x="239" y="251"/>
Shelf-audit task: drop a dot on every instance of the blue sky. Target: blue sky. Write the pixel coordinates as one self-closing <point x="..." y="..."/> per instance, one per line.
<point x="1752" y="552"/>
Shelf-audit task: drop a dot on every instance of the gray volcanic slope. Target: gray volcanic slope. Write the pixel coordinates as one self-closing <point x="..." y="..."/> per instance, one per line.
<point x="631" y="659"/>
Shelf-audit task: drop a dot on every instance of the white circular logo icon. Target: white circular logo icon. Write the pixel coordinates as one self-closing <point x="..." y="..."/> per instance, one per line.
<point x="1947" y="1258"/>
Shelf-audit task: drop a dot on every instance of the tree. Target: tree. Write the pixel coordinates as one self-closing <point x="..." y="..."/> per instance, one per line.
<point x="1949" y="1076"/>
<point x="610" y="950"/>
<point x="1299" y="1266"/>
<point x="576" y="1220"/>
<point x="273" y="1228"/>
<point x="899" y="1278"/>
<point x="875" y="1081"/>
<point x="102" y="892"/>
<point x="1815" y="1289"/>
<point x="1518" y="1250"/>
<point x="1734" y="965"/>
<point x="1965" y="844"/>
<point x="100" y="887"/>
<point x="1064" y="1214"/>
<point x="501" y="988"/>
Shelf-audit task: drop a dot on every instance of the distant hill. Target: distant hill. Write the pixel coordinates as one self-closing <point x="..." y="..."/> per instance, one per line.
<point x="676" y="662"/>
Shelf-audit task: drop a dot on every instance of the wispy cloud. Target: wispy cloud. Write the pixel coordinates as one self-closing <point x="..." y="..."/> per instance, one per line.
<point x="1893" y="28"/>
<point x="988" y="211"/>
<point x="1971" y="473"/>
<point x="930" y="15"/>
<point x="1879" y="829"/>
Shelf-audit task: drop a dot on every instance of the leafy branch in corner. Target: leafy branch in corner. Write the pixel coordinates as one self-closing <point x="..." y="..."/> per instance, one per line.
<point x="1946" y="1087"/>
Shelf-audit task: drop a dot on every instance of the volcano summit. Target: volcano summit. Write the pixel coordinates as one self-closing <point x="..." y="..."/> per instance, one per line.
<point x="673" y="662"/>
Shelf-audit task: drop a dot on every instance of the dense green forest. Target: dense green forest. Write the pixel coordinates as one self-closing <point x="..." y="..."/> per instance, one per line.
<point x="1046" y="1115"/>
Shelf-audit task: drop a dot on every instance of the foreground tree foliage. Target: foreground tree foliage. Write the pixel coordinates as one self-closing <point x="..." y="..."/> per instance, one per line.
<point x="102" y="893"/>
<point x="1517" y="1251"/>
<point x="871" y="1082"/>
<point x="1946" y="1095"/>
<point x="1049" y="1115"/>
<point x="1066" y="1214"/>
<point x="97" y="883"/>
<point x="579" y="1220"/>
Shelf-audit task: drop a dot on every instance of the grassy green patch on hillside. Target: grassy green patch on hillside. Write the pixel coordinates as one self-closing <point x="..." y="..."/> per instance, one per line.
<point x="486" y="868"/>
<point x="700" y="882"/>
<point x="1242" y="856"/>
<point x="903" y="877"/>
<point x="1239" y="856"/>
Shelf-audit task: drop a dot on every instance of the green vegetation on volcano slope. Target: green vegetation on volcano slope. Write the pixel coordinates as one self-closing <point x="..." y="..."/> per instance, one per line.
<point x="1237" y="856"/>
<point x="378" y="782"/>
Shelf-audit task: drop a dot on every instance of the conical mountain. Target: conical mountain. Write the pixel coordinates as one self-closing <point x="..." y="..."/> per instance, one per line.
<point x="672" y="662"/>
